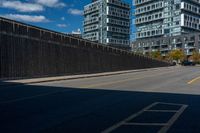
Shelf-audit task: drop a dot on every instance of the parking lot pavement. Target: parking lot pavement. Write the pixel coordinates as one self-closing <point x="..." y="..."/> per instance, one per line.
<point x="146" y="102"/>
<point x="89" y="110"/>
<point x="151" y="117"/>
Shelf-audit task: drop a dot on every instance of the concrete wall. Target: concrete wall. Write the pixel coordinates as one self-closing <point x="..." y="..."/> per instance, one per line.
<point x="27" y="51"/>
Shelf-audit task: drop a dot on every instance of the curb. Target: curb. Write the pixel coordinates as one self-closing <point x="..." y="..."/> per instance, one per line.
<point x="17" y="82"/>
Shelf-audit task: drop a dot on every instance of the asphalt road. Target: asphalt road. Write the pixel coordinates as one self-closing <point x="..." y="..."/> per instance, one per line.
<point x="162" y="100"/>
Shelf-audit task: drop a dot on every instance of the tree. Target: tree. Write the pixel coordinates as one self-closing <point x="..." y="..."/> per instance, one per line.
<point x="156" y="55"/>
<point x="195" y="56"/>
<point x="138" y="53"/>
<point x="177" y="55"/>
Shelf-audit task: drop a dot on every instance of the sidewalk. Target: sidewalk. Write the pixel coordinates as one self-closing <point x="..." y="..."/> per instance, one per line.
<point x="70" y="77"/>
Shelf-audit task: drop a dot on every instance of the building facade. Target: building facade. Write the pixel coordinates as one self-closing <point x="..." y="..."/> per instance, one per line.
<point x="107" y="22"/>
<point x="162" y="18"/>
<point x="188" y="43"/>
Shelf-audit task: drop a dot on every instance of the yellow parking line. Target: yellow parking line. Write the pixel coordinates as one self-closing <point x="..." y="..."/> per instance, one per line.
<point x="120" y="81"/>
<point x="194" y="80"/>
<point x="107" y="83"/>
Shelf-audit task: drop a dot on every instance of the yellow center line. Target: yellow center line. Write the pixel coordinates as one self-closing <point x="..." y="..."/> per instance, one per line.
<point x="120" y="81"/>
<point x="193" y="80"/>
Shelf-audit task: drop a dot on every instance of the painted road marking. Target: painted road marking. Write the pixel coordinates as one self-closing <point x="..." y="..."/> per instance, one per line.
<point x="88" y="86"/>
<point x="121" y="81"/>
<point x="145" y="124"/>
<point x="173" y="119"/>
<point x="173" y="111"/>
<point x="193" y="80"/>
<point x="165" y="126"/>
<point x="110" y="129"/>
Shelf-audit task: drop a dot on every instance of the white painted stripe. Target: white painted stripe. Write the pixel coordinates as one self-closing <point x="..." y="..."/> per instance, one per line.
<point x="172" y="120"/>
<point x="176" y="104"/>
<point x="115" y="126"/>
<point x="146" y="124"/>
<point x="164" y="129"/>
<point x="164" y="111"/>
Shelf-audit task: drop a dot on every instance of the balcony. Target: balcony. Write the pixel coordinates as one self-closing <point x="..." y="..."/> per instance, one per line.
<point x="118" y="30"/>
<point x="177" y="43"/>
<point x="193" y="8"/>
<point x="189" y="53"/>
<point x="196" y="1"/>
<point x="118" y="22"/>
<point x="91" y="10"/>
<point x="149" y="18"/>
<point x="119" y="15"/>
<point x="118" y="3"/>
<point x="91" y="21"/>
<point x="140" y="2"/>
<point x="191" y="41"/>
<point x="155" y="47"/>
<point x="164" y="49"/>
<point x="178" y="46"/>
<point x="190" y="47"/>
<point x="149" y="8"/>
<point x="155" y="44"/>
<point x="163" y="44"/>
<point x="146" y="46"/>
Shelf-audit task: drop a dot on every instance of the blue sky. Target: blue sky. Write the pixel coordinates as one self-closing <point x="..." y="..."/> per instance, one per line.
<point x="58" y="15"/>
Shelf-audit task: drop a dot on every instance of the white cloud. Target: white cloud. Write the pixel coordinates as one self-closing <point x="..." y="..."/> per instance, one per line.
<point x="62" y="18"/>
<point x="62" y="25"/>
<point x="26" y="18"/>
<point x="21" y="6"/>
<point x="50" y="3"/>
<point x="75" y="11"/>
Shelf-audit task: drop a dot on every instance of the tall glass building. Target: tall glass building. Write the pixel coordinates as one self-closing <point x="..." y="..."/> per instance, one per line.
<point x="108" y="22"/>
<point x="163" y="18"/>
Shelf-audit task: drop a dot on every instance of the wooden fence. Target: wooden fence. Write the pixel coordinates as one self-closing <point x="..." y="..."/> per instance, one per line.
<point x="27" y="51"/>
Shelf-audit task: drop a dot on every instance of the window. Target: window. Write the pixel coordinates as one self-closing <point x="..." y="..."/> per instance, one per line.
<point x="177" y="6"/>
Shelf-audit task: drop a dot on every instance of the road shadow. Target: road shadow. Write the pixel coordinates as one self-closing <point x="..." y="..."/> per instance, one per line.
<point x="32" y="109"/>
